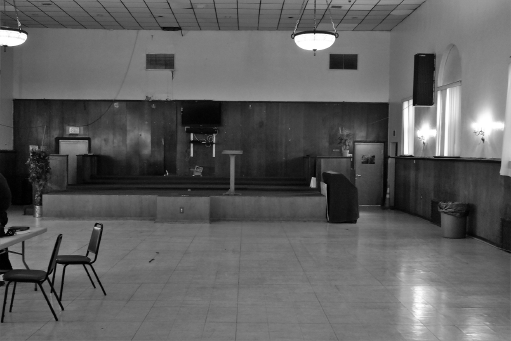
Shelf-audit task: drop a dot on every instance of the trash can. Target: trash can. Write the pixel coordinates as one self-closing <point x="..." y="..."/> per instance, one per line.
<point x="453" y="217"/>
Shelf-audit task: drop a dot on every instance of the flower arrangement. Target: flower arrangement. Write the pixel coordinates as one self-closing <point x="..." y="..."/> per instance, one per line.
<point x="39" y="173"/>
<point x="345" y="138"/>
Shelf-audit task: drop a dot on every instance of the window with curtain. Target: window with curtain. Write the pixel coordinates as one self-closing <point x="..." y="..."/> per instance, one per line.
<point x="448" y="119"/>
<point x="408" y="127"/>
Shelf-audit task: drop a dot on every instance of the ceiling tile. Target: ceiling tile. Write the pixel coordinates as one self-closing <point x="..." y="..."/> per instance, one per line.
<point x="384" y="7"/>
<point x="366" y="2"/>
<point x="390" y="2"/>
<point x="255" y="14"/>
<point x="361" y="7"/>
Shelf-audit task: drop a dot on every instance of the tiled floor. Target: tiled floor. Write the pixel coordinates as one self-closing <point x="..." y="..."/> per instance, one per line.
<point x="390" y="277"/>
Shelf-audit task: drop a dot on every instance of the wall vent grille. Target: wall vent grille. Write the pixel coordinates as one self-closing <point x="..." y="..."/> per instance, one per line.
<point x="343" y="61"/>
<point x="159" y="61"/>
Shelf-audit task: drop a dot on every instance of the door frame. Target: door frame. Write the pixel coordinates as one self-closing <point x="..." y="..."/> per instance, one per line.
<point x="385" y="165"/>
<point x="58" y="139"/>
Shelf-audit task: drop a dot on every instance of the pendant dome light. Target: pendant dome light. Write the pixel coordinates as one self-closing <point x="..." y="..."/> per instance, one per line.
<point x="12" y="36"/>
<point x="314" y="40"/>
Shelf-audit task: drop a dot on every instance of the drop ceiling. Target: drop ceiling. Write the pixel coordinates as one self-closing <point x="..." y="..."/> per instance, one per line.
<point x="208" y="15"/>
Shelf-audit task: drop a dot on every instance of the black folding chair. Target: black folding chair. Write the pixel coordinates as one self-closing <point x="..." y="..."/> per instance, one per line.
<point x="95" y="240"/>
<point x="33" y="276"/>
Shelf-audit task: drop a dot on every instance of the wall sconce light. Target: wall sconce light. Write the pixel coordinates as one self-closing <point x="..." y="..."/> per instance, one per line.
<point x="485" y="126"/>
<point x="425" y="133"/>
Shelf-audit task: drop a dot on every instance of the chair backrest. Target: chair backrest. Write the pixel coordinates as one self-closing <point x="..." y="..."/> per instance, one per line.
<point x="54" y="254"/>
<point x="95" y="240"/>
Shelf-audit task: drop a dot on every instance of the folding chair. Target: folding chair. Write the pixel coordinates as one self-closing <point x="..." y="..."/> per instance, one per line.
<point x="95" y="240"/>
<point x="33" y="276"/>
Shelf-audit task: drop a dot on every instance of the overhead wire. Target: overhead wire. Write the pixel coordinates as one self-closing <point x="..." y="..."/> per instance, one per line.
<point x="112" y="101"/>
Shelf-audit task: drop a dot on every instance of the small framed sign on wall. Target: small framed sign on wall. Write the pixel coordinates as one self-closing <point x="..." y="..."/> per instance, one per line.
<point x="73" y="130"/>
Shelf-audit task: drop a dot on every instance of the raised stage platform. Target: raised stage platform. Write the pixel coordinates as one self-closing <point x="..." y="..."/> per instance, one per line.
<point x="200" y="200"/>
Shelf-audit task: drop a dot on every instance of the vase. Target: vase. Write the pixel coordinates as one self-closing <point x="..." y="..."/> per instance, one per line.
<point x="345" y="152"/>
<point x="38" y="211"/>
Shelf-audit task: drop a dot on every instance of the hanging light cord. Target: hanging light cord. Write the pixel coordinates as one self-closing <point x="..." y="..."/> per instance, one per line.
<point x="330" y="14"/>
<point x="315" y="24"/>
<point x="16" y="11"/>
<point x="304" y="3"/>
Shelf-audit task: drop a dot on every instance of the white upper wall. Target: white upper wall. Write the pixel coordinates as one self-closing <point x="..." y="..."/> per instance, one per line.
<point x="481" y="30"/>
<point x="229" y="66"/>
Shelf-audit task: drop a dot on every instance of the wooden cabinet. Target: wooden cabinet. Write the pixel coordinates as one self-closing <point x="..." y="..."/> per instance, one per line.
<point x="58" y="179"/>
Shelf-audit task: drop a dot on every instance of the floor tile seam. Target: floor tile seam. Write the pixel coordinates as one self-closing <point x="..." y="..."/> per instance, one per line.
<point x="145" y="317"/>
<point x="141" y="322"/>
<point x="238" y="292"/>
<point x="38" y="329"/>
<point x="140" y="284"/>
<point x="123" y="257"/>
<point x="390" y="292"/>
<point x="205" y="320"/>
<point x="310" y="284"/>
<point x="182" y="256"/>
<point x="429" y="328"/>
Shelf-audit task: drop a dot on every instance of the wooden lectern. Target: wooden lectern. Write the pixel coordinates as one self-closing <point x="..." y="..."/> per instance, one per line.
<point x="232" y="155"/>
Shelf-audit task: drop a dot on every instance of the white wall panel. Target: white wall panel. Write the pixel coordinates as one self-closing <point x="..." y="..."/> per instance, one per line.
<point x="481" y="32"/>
<point x="238" y="66"/>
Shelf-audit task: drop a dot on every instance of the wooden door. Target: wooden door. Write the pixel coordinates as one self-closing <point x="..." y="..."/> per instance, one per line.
<point x="369" y="172"/>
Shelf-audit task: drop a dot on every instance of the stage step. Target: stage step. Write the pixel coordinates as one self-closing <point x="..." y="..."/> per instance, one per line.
<point x="153" y="180"/>
<point x="168" y="207"/>
<point x="196" y="186"/>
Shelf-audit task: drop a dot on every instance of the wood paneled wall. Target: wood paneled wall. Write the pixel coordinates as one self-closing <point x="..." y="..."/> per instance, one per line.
<point x="132" y="137"/>
<point x="18" y="183"/>
<point x="147" y="138"/>
<point x="7" y="162"/>
<point x="477" y="182"/>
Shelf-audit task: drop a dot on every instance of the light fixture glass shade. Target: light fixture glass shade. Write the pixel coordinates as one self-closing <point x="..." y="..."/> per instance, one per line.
<point x="12" y="37"/>
<point x="314" y="40"/>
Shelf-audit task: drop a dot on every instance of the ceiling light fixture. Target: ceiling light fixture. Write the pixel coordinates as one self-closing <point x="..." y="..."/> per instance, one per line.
<point x="314" y="40"/>
<point x="12" y="36"/>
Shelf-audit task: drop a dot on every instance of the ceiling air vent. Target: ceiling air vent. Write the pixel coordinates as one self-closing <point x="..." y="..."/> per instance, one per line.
<point x="171" y="28"/>
<point x="159" y="61"/>
<point x="343" y="61"/>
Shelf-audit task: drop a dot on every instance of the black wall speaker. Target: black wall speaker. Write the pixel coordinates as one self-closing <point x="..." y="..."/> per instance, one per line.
<point x="424" y="79"/>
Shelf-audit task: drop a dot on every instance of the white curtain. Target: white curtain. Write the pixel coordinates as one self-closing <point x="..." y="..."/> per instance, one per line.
<point x="440" y="109"/>
<point x="448" y="121"/>
<point x="505" y="168"/>
<point x="408" y="127"/>
<point x="452" y="121"/>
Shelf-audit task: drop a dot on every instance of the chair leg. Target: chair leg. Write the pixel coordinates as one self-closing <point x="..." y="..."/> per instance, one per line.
<point x="56" y="296"/>
<point x="54" y="272"/>
<point x="87" y="271"/>
<point x="62" y="281"/>
<point x="97" y="278"/>
<point x="12" y="297"/>
<point x="48" y="301"/>
<point x="5" y="300"/>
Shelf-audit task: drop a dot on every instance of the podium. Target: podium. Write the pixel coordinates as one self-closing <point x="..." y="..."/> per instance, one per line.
<point x="232" y="156"/>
